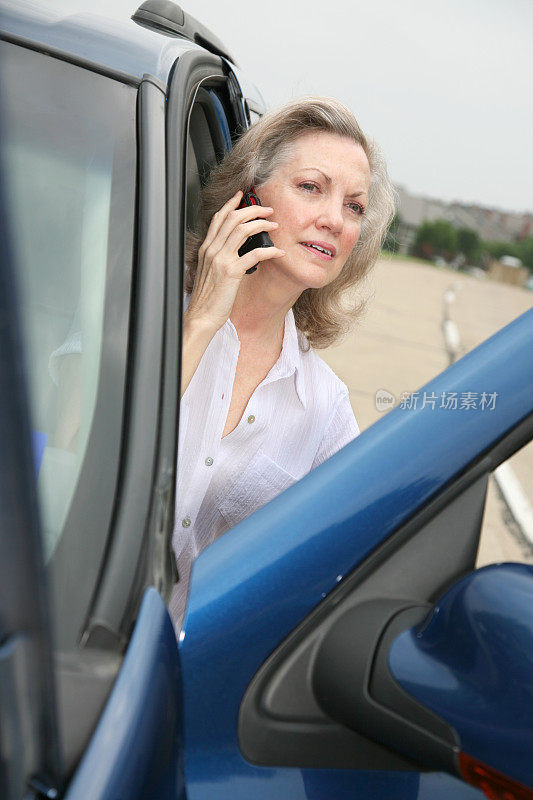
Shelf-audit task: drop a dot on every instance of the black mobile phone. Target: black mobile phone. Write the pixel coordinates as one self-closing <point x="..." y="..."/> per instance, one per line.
<point x="261" y="239"/>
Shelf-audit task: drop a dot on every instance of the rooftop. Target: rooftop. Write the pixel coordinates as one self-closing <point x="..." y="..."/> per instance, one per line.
<point x="119" y="46"/>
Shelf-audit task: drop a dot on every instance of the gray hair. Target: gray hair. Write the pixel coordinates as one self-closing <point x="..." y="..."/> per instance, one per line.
<point x="323" y="315"/>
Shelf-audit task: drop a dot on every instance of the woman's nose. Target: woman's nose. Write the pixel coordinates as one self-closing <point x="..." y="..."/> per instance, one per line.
<point x="331" y="218"/>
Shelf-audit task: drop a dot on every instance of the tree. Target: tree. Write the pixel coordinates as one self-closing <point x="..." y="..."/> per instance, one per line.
<point x="468" y="243"/>
<point x="498" y="249"/>
<point x="436" y="238"/>
<point x="522" y="250"/>
<point x="525" y="252"/>
<point x="391" y="242"/>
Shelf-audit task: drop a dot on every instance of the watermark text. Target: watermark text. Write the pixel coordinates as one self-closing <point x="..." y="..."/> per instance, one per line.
<point x="451" y="401"/>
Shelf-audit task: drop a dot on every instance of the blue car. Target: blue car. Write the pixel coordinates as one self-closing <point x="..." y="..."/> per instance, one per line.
<point x="339" y="643"/>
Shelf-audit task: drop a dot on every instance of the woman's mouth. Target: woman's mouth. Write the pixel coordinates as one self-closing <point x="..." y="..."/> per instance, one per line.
<point x="321" y="249"/>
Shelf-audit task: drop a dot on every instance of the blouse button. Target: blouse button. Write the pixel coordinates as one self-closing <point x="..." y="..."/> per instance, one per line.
<point x="251" y="419"/>
<point x="186" y="521"/>
<point x="209" y="461"/>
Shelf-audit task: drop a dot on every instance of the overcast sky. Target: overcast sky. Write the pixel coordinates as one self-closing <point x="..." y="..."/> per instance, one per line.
<point x="444" y="86"/>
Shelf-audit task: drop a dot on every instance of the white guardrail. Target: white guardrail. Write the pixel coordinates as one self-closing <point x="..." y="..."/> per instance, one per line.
<point x="504" y="475"/>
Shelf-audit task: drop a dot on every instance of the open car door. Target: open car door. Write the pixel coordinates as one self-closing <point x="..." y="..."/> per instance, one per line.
<point x="339" y="643"/>
<point x="89" y="688"/>
<point x="103" y="170"/>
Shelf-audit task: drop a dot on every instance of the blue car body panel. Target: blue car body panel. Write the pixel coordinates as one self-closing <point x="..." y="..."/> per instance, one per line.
<point x="253" y="586"/>
<point x="472" y="664"/>
<point x="135" y="751"/>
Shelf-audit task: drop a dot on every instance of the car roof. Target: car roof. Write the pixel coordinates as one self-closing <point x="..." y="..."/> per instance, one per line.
<point x="110" y="45"/>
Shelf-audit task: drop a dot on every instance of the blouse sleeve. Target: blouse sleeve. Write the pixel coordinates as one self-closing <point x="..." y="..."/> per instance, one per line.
<point x="342" y="429"/>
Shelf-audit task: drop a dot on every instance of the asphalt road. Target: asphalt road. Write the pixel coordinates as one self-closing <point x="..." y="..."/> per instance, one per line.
<point x="398" y="345"/>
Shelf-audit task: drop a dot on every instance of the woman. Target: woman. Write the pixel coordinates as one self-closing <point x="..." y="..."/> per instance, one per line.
<point x="259" y="407"/>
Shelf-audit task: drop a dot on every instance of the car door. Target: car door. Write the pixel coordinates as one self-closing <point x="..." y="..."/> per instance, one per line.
<point x="77" y="205"/>
<point x="97" y="166"/>
<point x="291" y="681"/>
<point x="142" y="717"/>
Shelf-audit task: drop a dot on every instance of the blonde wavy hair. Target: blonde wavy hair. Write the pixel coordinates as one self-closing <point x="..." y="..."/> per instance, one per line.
<point x="323" y="315"/>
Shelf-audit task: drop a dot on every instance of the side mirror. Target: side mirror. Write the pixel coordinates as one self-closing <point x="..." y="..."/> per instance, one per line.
<point x="450" y="687"/>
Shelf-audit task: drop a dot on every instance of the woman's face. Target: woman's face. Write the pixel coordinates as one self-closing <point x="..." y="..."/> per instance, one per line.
<point x="319" y="195"/>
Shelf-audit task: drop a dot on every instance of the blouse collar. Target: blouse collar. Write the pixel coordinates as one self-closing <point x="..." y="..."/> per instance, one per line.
<point x="290" y="360"/>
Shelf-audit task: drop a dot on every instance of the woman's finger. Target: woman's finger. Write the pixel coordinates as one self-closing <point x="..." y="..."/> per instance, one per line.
<point x="242" y="232"/>
<point x="218" y="219"/>
<point x="235" y="218"/>
<point x="259" y="254"/>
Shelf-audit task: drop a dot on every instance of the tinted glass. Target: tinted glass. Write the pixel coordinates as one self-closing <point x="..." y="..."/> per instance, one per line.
<point x="68" y="150"/>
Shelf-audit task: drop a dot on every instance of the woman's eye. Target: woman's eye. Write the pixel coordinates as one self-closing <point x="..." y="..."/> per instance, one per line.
<point x="309" y="187"/>
<point x="356" y="208"/>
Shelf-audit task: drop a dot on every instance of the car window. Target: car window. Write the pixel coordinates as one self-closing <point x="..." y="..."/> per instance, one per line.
<point x="194" y="185"/>
<point x="254" y="115"/>
<point x="507" y="530"/>
<point x="68" y="151"/>
<point x="208" y="139"/>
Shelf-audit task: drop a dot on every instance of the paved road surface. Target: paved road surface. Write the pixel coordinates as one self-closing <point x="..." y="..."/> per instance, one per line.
<point x="399" y="345"/>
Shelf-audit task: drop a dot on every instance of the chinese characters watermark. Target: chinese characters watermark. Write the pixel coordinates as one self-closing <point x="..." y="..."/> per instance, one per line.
<point x="452" y="401"/>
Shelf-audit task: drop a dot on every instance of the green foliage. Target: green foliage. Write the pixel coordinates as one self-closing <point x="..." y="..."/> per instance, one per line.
<point x="468" y="243"/>
<point x="437" y="238"/>
<point x="522" y="250"/>
<point x="525" y="248"/>
<point x="391" y="243"/>
<point x="499" y="249"/>
<point x="440" y="238"/>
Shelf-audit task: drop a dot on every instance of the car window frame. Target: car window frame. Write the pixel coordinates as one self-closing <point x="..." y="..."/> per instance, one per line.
<point x="200" y="69"/>
<point x="142" y="498"/>
<point x="147" y="559"/>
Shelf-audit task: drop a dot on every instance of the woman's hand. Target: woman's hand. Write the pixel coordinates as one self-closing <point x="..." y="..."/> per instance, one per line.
<point x="219" y="274"/>
<point x="220" y="268"/>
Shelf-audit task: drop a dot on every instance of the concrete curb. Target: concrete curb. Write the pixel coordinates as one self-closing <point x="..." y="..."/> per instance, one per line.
<point x="450" y="331"/>
<point x="504" y="475"/>
<point x="514" y="496"/>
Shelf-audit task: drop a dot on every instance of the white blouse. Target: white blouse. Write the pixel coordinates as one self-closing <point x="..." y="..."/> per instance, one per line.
<point x="297" y="417"/>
